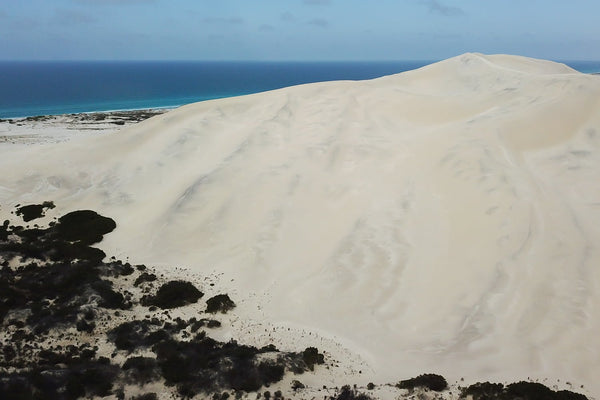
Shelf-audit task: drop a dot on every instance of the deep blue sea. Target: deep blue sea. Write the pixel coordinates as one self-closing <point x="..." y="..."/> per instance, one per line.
<point x="43" y="88"/>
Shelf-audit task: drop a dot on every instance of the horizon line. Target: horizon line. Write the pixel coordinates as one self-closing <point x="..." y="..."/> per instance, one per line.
<point x="431" y="60"/>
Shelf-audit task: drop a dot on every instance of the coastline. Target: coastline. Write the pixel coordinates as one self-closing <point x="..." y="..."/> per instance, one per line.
<point x="63" y="127"/>
<point x="30" y="88"/>
<point x="53" y="128"/>
<point x="135" y="115"/>
<point x="167" y="102"/>
<point x="96" y="110"/>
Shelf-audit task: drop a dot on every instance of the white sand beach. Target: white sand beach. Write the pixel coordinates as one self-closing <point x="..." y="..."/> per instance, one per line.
<point x="442" y="220"/>
<point x="61" y="128"/>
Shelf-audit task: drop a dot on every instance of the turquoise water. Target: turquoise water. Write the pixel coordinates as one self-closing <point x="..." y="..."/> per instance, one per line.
<point x="43" y="88"/>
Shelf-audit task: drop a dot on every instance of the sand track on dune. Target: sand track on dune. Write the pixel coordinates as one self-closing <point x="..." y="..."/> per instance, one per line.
<point x="443" y="219"/>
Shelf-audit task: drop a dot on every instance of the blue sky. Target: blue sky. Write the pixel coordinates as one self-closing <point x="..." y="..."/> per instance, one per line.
<point x="297" y="29"/>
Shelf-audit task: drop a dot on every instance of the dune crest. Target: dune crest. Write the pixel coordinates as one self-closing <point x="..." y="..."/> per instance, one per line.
<point x="443" y="219"/>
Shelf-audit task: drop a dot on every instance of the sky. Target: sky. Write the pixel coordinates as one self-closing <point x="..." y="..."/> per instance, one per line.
<point x="297" y="30"/>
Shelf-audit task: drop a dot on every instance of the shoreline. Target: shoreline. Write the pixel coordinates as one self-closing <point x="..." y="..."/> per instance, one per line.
<point x="118" y="113"/>
<point x="162" y="108"/>
<point x="63" y="127"/>
<point x="109" y="111"/>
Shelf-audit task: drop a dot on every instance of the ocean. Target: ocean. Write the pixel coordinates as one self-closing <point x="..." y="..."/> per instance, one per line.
<point x="46" y="88"/>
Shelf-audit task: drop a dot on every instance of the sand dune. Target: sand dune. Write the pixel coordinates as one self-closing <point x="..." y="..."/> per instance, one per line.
<point x="445" y="219"/>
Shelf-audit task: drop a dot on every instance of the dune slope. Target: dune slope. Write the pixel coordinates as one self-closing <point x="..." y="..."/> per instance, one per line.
<point x="445" y="219"/>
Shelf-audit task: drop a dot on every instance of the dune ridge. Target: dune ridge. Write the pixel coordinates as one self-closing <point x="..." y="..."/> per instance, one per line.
<point x="443" y="219"/>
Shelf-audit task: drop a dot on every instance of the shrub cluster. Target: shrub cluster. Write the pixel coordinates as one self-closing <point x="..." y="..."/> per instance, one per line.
<point x="64" y="283"/>
<point x="219" y="303"/>
<point x="174" y="294"/>
<point x="519" y="390"/>
<point x="433" y="382"/>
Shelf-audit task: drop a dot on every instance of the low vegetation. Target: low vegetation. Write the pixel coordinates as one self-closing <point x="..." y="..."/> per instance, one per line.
<point x="518" y="390"/>
<point x="34" y="211"/>
<point x="219" y="303"/>
<point x="174" y="294"/>
<point x="59" y="300"/>
<point x="348" y="393"/>
<point x="433" y="382"/>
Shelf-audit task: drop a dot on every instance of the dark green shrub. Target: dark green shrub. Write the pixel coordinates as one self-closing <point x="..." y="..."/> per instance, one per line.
<point x="146" y="396"/>
<point x="141" y="370"/>
<point x="219" y="303"/>
<point x="484" y="391"/>
<point x="34" y="211"/>
<point x="174" y="294"/>
<point x="297" y="385"/>
<point x="84" y="226"/>
<point x="311" y="356"/>
<point x="347" y="393"/>
<point x="433" y="382"/>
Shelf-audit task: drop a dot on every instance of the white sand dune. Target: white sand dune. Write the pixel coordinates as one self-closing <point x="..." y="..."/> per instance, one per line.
<point x="442" y="220"/>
